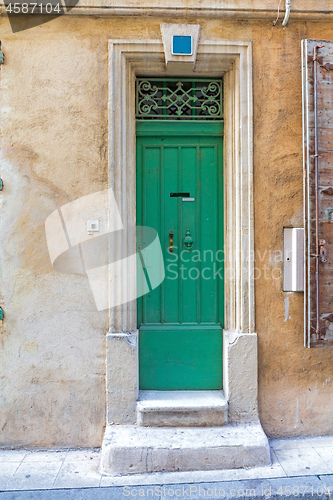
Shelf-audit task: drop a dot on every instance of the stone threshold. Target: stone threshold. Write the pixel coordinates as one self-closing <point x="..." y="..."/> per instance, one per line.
<point x="129" y="449"/>
<point x="182" y="408"/>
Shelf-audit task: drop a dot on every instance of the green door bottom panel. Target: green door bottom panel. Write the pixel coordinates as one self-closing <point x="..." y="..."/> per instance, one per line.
<point x="187" y="359"/>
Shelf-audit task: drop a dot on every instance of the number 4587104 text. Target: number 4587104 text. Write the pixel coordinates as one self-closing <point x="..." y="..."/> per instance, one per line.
<point x="30" y="8"/>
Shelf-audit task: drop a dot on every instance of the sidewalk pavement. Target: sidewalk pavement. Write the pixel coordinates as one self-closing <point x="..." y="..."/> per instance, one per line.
<point x="300" y="468"/>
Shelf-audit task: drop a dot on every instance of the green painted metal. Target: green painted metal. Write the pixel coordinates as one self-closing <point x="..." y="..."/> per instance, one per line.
<point x="180" y="322"/>
<point x="174" y="99"/>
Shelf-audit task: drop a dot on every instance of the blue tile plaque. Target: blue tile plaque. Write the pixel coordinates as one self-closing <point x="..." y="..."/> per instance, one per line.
<point x="182" y="45"/>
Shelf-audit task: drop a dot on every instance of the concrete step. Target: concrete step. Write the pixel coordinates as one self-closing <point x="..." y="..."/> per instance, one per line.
<point x="137" y="449"/>
<point x="182" y="409"/>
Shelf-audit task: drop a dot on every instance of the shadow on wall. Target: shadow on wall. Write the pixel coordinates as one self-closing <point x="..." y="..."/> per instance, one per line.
<point x="20" y="18"/>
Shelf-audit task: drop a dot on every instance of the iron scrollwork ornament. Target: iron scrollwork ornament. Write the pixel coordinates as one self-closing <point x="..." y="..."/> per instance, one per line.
<point x="176" y="99"/>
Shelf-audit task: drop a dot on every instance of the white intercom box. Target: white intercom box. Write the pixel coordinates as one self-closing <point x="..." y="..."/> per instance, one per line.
<point x="293" y="259"/>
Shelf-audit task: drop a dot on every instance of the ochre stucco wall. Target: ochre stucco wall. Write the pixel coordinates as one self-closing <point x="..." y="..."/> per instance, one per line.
<point x="53" y="91"/>
<point x="295" y="384"/>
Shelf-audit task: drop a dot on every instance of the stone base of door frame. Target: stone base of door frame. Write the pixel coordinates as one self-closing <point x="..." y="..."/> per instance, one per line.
<point x="131" y="449"/>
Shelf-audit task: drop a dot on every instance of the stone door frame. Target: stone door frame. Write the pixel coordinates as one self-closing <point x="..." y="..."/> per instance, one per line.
<point x="233" y="61"/>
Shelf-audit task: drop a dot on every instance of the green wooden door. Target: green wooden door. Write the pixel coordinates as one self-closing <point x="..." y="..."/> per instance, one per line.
<point x="179" y="191"/>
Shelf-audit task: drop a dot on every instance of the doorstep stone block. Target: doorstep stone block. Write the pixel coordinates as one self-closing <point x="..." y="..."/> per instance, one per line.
<point x="136" y="450"/>
<point x="182" y="408"/>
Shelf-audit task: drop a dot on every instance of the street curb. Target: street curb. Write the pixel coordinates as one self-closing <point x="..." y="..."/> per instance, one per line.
<point x="305" y="487"/>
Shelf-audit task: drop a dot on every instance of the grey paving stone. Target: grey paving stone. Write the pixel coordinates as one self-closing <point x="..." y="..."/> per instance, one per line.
<point x="7" y="469"/>
<point x="301" y="461"/>
<point x="81" y="474"/>
<point x="326" y="453"/>
<point x="327" y="480"/>
<point x="307" y="488"/>
<point x="319" y="441"/>
<point x="68" y="494"/>
<point x="34" y="475"/>
<point x="45" y="456"/>
<point x="82" y="455"/>
<point x="281" y="488"/>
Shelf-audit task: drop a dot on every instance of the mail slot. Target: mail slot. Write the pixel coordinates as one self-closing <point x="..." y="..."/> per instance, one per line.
<point x="179" y="195"/>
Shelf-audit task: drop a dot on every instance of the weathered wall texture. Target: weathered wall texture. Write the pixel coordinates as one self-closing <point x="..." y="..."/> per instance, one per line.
<point x="296" y="391"/>
<point x="54" y="133"/>
<point x="53" y="91"/>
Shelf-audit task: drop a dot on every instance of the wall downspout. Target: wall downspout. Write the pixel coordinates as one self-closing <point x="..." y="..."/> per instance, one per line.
<point x="287" y="14"/>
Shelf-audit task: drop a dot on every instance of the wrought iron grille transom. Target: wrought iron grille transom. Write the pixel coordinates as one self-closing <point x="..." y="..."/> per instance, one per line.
<point x="175" y="99"/>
